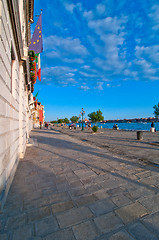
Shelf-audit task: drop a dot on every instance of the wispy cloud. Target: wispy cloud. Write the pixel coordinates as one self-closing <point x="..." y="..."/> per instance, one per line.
<point x="58" y="71"/>
<point x="68" y="45"/>
<point x="88" y="75"/>
<point x="99" y="86"/>
<point x="100" y="8"/>
<point x="85" y="88"/>
<point x="70" y="7"/>
<point x="103" y="44"/>
<point x="154" y="15"/>
<point x="111" y="32"/>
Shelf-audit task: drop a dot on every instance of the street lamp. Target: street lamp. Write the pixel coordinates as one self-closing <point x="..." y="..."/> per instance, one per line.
<point x="82" y="113"/>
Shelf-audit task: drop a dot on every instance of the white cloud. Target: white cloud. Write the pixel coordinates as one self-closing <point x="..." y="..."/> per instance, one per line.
<point x="155" y="16"/>
<point x="88" y="75"/>
<point x="100" y="8"/>
<point x="85" y="88"/>
<point x="69" y="7"/>
<point x="85" y="67"/>
<point x="88" y="15"/>
<point x="146" y="66"/>
<point x="66" y="45"/>
<point x="152" y="52"/>
<point x="107" y="25"/>
<point x="99" y="86"/>
<point x="111" y="32"/>
<point x="68" y="81"/>
<point x="57" y="71"/>
<point x="73" y="60"/>
<point x="70" y="74"/>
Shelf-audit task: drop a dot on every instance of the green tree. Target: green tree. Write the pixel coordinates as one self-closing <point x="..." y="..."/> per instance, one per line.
<point x="53" y="121"/>
<point x="66" y="120"/>
<point x="156" y="112"/>
<point x="60" y="120"/>
<point x="74" y="119"/>
<point x="96" y="116"/>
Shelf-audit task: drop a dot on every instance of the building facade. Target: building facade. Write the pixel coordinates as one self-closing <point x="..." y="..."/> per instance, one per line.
<point x="15" y="89"/>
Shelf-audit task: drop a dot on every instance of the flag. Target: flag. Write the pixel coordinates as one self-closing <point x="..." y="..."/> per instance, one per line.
<point x="39" y="68"/>
<point x="36" y="41"/>
<point x="36" y="57"/>
<point x="36" y="94"/>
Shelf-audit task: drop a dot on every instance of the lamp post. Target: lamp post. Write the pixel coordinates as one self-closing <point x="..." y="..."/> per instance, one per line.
<point x="82" y="113"/>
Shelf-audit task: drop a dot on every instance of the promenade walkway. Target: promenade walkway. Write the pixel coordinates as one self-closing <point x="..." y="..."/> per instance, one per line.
<point x="68" y="189"/>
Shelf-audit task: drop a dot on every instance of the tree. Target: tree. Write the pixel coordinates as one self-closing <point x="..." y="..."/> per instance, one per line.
<point x="53" y="121"/>
<point x="66" y="120"/>
<point x="60" y="120"/>
<point x="96" y="116"/>
<point x="156" y="112"/>
<point x="74" y="119"/>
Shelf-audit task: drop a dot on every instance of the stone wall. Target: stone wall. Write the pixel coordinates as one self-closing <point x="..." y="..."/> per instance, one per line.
<point x="15" y="115"/>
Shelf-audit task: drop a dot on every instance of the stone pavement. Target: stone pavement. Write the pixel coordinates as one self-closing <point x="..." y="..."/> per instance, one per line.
<point x="121" y="142"/>
<point x="67" y="189"/>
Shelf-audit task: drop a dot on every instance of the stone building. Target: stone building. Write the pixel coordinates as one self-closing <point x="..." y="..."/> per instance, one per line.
<point x="15" y="95"/>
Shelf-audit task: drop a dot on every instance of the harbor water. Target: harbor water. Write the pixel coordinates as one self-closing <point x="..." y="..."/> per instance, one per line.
<point x="126" y="126"/>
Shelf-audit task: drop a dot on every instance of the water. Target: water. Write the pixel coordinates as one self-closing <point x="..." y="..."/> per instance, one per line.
<point x="127" y="126"/>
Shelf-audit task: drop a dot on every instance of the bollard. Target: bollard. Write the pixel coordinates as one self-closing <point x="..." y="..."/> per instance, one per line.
<point x="139" y="135"/>
<point x="152" y="129"/>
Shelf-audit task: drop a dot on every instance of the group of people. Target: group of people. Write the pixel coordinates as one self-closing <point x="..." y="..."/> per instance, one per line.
<point x="115" y="127"/>
<point x="153" y="126"/>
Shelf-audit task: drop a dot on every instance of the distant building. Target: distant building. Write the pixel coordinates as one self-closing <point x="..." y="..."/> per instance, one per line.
<point x="38" y="114"/>
<point x="15" y="95"/>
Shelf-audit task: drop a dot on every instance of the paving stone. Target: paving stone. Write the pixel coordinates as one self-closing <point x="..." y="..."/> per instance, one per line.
<point x="15" y="222"/>
<point x="38" y="214"/>
<point x="75" y="184"/>
<point x="108" y="222"/>
<point x="82" y="173"/>
<point x="101" y="194"/>
<point x="35" y="238"/>
<point x="152" y="223"/>
<point x="100" y="178"/>
<point x="112" y="183"/>
<point x="115" y="191"/>
<point x="85" y="230"/>
<point x="102" y="206"/>
<point x="32" y="196"/>
<point x="73" y="216"/>
<point x="151" y="202"/>
<point x="144" y="174"/>
<point x="77" y="192"/>
<point x="91" y="189"/>
<point x="24" y="233"/>
<point x="3" y="237"/>
<point x="53" y="198"/>
<point x="121" y="200"/>
<point x="46" y="226"/>
<point x="122" y="235"/>
<point x="140" y="193"/>
<point x="60" y="207"/>
<point x="49" y="191"/>
<point x="132" y="212"/>
<point x="85" y="200"/>
<point x="152" y="180"/>
<point x="3" y="220"/>
<point x="139" y="232"/>
<point x="61" y="235"/>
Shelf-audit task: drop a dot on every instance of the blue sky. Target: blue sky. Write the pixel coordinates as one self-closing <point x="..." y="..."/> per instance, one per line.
<point x="99" y="54"/>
